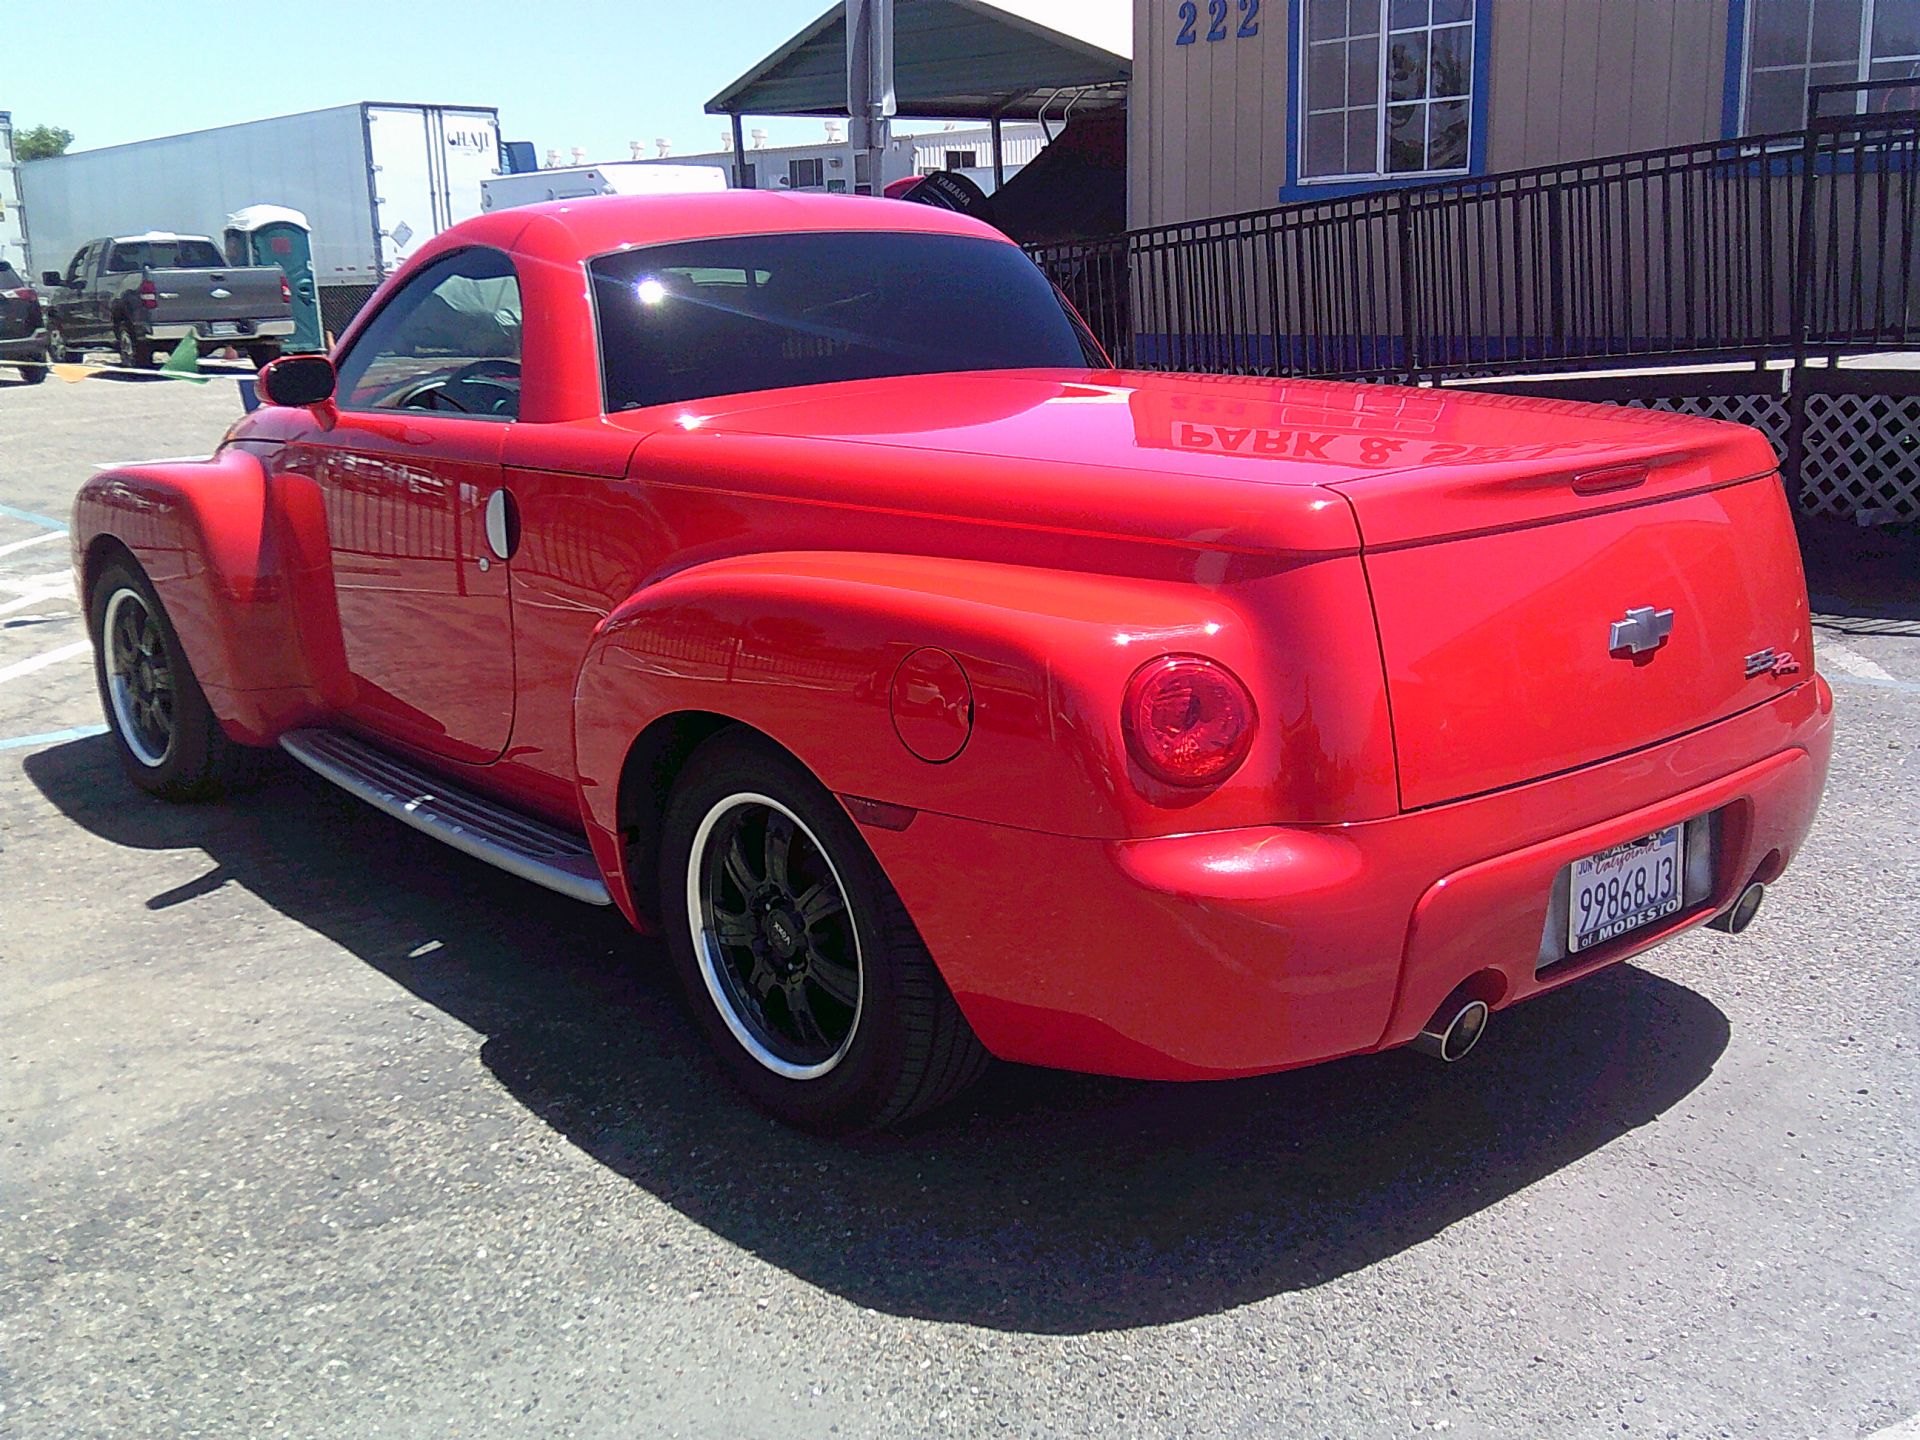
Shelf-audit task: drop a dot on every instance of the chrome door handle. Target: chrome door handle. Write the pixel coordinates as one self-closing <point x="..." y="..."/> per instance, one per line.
<point x="503" y="526"/>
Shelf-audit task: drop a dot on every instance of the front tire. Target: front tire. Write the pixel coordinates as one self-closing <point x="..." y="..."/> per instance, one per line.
<point x="801" y="963"/>
<point x="170" y="743"/>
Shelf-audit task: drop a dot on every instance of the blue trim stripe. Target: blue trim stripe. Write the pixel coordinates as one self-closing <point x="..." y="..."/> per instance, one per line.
<point x="53" y="737"/>
<point x="32" y="519"/>
<point x="1736" y="67"/>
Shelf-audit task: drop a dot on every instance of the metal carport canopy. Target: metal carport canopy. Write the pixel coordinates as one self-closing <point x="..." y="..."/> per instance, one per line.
<point x="952" y="60"/>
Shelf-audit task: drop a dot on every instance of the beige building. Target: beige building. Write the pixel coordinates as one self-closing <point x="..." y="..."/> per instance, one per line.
<point x="1242" y="104"/>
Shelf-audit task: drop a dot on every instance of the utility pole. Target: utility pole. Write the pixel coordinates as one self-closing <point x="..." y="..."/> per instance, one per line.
<point x="870" y="99"/>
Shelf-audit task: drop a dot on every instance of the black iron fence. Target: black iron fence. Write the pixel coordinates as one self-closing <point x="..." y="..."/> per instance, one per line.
<point x="1765" y="246"/>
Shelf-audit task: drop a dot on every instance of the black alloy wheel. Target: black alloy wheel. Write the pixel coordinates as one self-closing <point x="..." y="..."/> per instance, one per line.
<point x="795" y="953"/>
<point x="170" y="741"/>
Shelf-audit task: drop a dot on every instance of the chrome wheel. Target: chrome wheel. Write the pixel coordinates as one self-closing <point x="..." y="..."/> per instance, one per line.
<point x="774" y="937"/>
<point x="140" y="681"/>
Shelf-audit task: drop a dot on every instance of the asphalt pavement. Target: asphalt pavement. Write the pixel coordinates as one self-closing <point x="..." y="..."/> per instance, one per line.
<point x="316" y="1128"/>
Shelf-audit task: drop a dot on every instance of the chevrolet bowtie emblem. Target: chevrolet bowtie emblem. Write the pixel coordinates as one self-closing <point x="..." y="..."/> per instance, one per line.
<point x="1644" y="629"/>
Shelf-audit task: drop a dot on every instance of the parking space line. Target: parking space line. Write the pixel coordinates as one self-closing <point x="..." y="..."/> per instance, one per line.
<point x="13" y="545"/>
<point x="44" y="659"/>
<point x="35" y="582"/>
<point x="1832" y="652"/>
<point x="53" y="737"/>
<point x="35" y="597"/>
<point x="13" y="512"/>
<point x="1907" y="687"/>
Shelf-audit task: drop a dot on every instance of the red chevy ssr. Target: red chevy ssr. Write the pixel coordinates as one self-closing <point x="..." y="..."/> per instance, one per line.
<point x="795" y="574"/>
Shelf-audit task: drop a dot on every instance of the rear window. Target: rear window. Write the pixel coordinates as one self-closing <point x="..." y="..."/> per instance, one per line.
<point x="767" y="312"/>
<point x="131" y="255"/>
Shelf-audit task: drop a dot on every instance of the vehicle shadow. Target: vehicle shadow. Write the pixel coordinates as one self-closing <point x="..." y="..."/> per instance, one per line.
<point x="1862" y="580"/>
<point x="1042" y="1202"/>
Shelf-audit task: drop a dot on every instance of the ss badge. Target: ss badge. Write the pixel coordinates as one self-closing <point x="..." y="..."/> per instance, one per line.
<point x="1772" y="662"/>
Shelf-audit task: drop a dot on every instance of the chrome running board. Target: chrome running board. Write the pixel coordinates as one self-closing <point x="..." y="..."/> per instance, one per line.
<point x="484" y="829"/>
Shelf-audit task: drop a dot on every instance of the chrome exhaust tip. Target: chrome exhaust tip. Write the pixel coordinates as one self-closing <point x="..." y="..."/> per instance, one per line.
<point x="1454" y="1030"/>
<point x="1744" y="909"/>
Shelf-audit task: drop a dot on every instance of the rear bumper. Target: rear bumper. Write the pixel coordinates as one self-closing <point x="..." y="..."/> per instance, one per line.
<point x="25" y="347"/>
<point x="255" y="330"/>
<point x="1238" y="952"/>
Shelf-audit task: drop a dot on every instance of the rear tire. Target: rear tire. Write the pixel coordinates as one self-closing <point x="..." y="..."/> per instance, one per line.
<point x="799" y="960"/>
<point x="263" y="353"/>
<point x="136" y="354"/>
<point x="34" y="371"/>
<point x="170" y="742"/>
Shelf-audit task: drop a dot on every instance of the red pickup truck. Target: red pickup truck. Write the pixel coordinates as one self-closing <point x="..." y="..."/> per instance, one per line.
<point x="795" y="574"/>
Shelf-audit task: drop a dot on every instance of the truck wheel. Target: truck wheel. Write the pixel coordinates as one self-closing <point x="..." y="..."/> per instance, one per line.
<point x="57" y="350"/>
<point x="136" y="354"/>
<point x="801" y="963"/>
<point x="263" y="353"/>
<point x="169" y="741"/>
<point x="34" y="371"/>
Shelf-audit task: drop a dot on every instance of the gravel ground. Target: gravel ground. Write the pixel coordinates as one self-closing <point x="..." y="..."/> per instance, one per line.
<point x="315" y="1128"/>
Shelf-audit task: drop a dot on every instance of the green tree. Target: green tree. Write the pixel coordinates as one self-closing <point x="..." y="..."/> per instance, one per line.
<point x="40" y="142"/>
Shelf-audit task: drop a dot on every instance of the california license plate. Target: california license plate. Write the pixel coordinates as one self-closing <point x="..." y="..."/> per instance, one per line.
<point x="1622" y="888"/>
<point x="223" y="327"/>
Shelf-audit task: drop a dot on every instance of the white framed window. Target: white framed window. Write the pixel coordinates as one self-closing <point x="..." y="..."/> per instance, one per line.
<point x="808" y="174"/>
<point x="1793" y="44"/>
<point x="1386" y="88"/>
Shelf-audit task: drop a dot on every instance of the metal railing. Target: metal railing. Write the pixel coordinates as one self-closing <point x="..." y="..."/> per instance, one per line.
<point x="1784" y="245"/>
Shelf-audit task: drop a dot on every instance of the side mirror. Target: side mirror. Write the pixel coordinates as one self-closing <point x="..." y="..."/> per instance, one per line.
<point x="296" y="380"/>
<point x="52" y="277"/>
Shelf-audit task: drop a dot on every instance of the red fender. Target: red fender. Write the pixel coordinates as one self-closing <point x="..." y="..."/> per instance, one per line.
<point x="807" y="647"/>
<point x="233" y="570"/>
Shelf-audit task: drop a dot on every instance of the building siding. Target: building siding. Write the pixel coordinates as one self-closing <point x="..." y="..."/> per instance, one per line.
<point x="1567" y="80"/>
<point x="1577" y="78"/>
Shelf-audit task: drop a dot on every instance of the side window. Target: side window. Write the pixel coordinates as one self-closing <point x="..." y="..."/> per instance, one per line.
<point x="77" y="267"/>
<point x="448" y="341"/>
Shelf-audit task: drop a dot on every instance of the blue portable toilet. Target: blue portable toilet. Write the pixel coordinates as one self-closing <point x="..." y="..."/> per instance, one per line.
<point x="275" y="235"/>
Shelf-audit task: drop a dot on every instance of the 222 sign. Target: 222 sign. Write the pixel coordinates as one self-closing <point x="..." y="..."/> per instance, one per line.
<point x="1189" y="14"/>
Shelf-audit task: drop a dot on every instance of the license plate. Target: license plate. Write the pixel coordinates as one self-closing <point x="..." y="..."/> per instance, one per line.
<point x="223" y="327"/>
<point x="1622" y="888"/>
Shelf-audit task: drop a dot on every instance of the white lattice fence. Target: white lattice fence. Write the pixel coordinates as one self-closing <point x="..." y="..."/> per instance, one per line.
<point x="1862" y="452"/>
<point x="1862" y="456"/>
<point x="1766" y="413"/>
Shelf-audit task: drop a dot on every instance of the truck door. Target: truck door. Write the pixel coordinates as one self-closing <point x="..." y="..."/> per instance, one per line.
<point x="409" y="473"/>
<point x="73" y="312"/>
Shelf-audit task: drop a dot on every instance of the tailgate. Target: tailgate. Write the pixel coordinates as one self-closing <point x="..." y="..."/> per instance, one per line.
<point x="1502" y="656"/>
<point x="251" y="293"/>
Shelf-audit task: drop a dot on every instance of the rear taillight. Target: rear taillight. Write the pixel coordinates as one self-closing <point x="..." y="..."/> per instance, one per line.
<point x="149" y="296"/>
<point x="1188" y="720"/>
<point x="286" y="291"/>
<point x="24" y="292"/>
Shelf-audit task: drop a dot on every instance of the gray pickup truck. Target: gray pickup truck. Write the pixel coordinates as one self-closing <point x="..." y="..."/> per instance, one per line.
<point x="142" y="293"/>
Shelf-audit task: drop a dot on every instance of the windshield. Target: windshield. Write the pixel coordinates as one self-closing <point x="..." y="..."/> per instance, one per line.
<point x="131" y="255"/>
<point x="767" y="312"/>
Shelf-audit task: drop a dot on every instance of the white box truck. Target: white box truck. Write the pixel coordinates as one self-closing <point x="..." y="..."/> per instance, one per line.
<point x="616" y="177"/>
<point x="13" y="235"/>
<point x="375" y="179"/>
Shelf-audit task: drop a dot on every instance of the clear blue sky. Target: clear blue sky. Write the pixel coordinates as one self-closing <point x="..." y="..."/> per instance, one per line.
<point x="562" y="72"/>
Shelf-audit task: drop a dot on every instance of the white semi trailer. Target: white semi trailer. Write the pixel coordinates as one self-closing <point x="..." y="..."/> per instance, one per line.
<point x="376" y="180"/>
